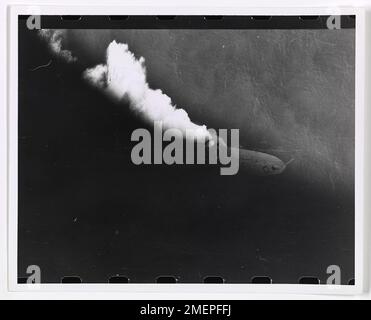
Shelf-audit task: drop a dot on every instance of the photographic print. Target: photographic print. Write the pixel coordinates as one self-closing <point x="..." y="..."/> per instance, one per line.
<point x="186" y="149"/>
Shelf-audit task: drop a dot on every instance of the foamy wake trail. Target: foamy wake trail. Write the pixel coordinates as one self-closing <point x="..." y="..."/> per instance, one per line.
<point x="55" y="38"/>
<point x="123" y="77"/>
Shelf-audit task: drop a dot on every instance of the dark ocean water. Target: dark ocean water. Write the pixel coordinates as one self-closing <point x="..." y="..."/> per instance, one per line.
<point x="86" y="210"/>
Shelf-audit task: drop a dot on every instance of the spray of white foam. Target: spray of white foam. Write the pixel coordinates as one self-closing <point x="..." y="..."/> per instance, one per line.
<point x="123" y="77"/>
<point x="55" y="39"/>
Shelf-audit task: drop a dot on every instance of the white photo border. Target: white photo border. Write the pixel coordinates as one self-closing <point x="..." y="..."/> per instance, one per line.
<point x="167" y="291"/>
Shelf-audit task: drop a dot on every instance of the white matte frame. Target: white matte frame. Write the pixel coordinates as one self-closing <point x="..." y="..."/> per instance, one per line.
<point x="179" y="290"/>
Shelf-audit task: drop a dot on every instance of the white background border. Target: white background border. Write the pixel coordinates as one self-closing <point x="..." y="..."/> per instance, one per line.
<point x="156" y="291"/>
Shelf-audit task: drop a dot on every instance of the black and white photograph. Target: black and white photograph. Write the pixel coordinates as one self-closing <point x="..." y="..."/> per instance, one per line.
<point x="207" y="150"/>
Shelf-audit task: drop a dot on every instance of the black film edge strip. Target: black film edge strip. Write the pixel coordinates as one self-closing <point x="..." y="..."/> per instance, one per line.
<point x="191" y="22"/>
